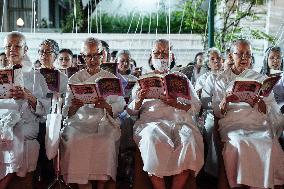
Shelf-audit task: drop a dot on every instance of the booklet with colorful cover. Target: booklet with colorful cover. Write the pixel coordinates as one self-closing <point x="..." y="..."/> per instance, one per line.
<point x="110" y="67"/>
<point x="6" y="82"/>
<point x="171" y="85"/>
<point x="52" y="78"/>
<point x="10" y="77"/>
<point x="248" y="90"/>
<point x="103" y="87"/>
<point x="69" y="71"/>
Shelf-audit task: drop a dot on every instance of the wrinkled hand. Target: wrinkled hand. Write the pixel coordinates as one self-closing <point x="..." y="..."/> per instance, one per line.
<point x="101" y="103"/>
<point x="261" y="106"/>
<point x="141" y="95"/>
<point x="76" y="103"/>
<point x="230" y="97"/>
<point x="18" y="93"/>
<point x="169" y="101"/>
<point x="174" y="103"/>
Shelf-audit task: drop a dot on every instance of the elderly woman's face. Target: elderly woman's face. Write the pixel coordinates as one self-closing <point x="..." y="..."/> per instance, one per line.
<point x="46" y="55"/>
<point x="123" y="62"/>
<point x="242" y="57"/>
<point x="92" y="56"/>
<point x="214" y="61"/>
<point x="274" y="60"/>
<point x="15" y="49"/>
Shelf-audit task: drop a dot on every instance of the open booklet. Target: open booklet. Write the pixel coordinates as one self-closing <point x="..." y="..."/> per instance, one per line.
<point x="52" y="78"/>
<point x="8" y="78"/>
<point x="103" y="87"/>
<point x="70" y="71"/>
<point x="170" y="85"/>
<point x="248" y="90"/>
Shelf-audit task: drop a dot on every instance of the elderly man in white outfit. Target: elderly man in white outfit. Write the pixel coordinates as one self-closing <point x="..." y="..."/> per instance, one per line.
<point x="166" y="134"/>
<point x="91" y="135"/>
<point x="20" y="115"/>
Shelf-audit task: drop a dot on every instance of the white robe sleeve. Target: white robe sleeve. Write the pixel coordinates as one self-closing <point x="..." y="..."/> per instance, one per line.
<point x="67" y="102"/>
<point x="40" y="90"/>
<point x="274" y="114"/>
<point x="218" y="95"/>
<point x="207" y="93"/>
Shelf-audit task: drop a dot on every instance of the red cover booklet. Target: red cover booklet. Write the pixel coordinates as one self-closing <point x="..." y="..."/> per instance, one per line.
<point x="52" y="78"/>
<point x="171" y="85"/>
<point x="248" y="90"/>
<point x="6" y="82"/>
<point x="103" y="87"/>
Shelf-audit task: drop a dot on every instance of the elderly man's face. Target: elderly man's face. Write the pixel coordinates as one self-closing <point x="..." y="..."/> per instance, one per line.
<point x="160" y="51"/>
<point x="15" y="49"/>
<point x="92" y="55"/>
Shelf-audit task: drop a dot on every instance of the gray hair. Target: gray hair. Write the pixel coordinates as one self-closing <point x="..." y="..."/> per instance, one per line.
<point x="53" y="44"/>
<point x="15" y="34"/>
<point x="237" y="42"/>
<point x="162" y="41"/>
<point x="213" y="50"/>
<point x="122" y="52"/>
<point x="92" y="40"/>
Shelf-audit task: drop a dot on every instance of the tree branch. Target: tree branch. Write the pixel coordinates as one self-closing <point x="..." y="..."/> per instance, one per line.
<point x="237" y="21"/>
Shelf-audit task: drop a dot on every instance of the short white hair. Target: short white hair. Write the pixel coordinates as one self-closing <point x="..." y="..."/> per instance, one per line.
<point x="92" y="40"/>
<point x="15" y="34"/>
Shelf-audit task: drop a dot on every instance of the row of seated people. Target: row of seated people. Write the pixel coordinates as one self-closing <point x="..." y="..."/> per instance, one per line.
<point x="165" y="129"/>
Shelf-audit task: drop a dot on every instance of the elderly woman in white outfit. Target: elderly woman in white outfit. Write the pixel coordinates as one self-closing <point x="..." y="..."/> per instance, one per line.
<point x="168" y="138"/>
<point x="204" y="86"/>
<point x="19" y="115"/>
<point x="91" y="136"/>
<point x="252" y="155"/>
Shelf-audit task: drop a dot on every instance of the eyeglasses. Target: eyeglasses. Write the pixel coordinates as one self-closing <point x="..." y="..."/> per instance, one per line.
<point x="160" y="53"/>
<point x="89" y="57"/>
<point x="64" y="59"/>
<point x="17" y="47"/>
<point x="44" y="52"/>
<point x="243" y="55"/>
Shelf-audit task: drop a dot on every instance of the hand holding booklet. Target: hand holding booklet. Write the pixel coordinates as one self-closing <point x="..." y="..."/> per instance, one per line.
<point x="88" y="93"/>
<point x="9" y="78"/>
<point x="249" y="90"/>
<point x="170" y="85"/>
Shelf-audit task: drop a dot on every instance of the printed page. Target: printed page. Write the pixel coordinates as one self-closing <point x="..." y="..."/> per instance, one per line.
<point x="85" y="92"/>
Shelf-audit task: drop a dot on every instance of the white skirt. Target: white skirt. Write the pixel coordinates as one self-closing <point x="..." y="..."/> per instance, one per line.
<point x="21" y="154"/>
<point x="168" y="148"/>
<point x="88" y="156"/>
<point x="254" y="159"/>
